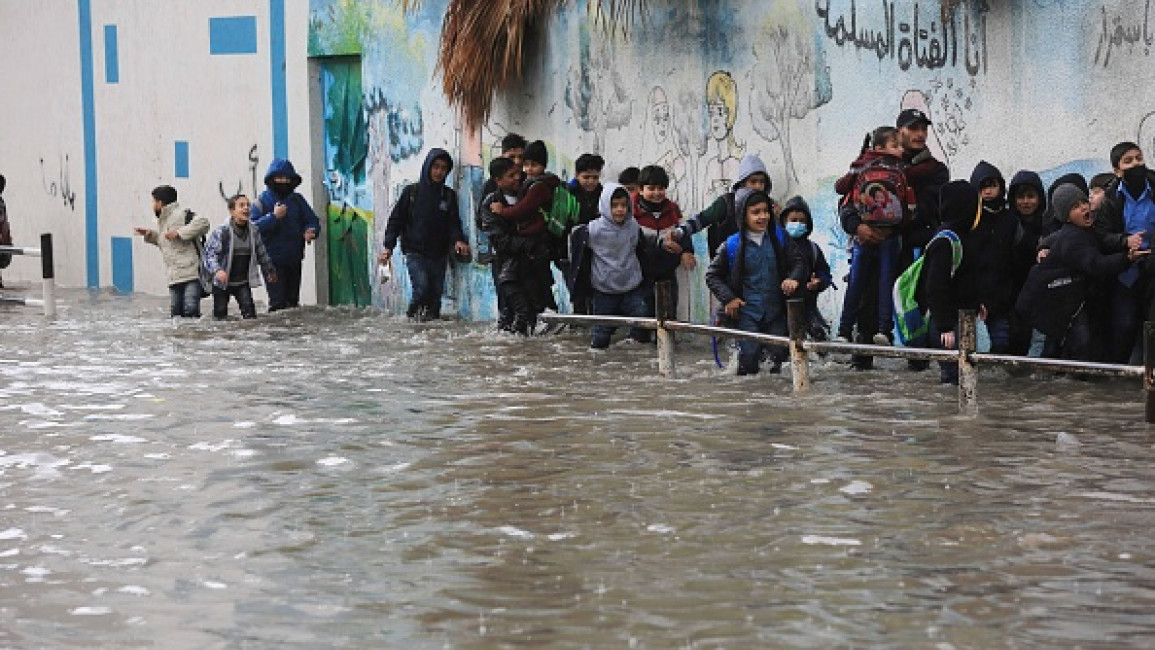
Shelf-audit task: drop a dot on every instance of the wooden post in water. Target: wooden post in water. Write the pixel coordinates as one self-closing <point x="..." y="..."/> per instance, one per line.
<point x="663" y="305"/>
<point x="799" y="360"/>
<point x="1149" y="369"/>
<point x="968" y="378"/>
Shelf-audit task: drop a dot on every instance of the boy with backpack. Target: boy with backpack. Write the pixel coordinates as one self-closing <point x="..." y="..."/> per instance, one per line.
<point x="752" y="274"/>
<point x="234" y="258"/>
<point x="721" y="217"/>
<point x="656" y="213"/>
<point x="877" y="201"/>
<point x="426" y="220"/>
<point x="795" y="219"/>
<point x="176" y="234"/>
<point x="930" y="293"/>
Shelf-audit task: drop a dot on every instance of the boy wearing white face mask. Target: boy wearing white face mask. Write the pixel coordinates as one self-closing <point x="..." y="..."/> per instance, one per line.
<point x="798" y="224"/>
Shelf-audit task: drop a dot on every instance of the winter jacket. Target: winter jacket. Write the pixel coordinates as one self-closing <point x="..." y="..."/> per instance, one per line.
<point x="926" y="177"/>
<point x="510" y="249"/>
<point x="660" y="264"/>
<point x="724" y="279"/>
<point x="610" y="251"/>
<point x="720" y="214"/>
<point x="812" y="252"/>
<point x="1051" y="223"/>
<point x="587" y="202"/>
<point x="219" y="255"/>
<point x="1057" y="287"/>
<point x="1030" y="226"/>
<point x="285" y="237"/>
<point x="182" y="261"/>
<point x="536" y="195"/>
<point x="425" y="216"/>
<point x="943" y="293"/>
<point x="994" y="243"/>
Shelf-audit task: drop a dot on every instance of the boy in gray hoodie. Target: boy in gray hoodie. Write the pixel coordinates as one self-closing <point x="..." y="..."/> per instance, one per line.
<point x="608" y="247"/>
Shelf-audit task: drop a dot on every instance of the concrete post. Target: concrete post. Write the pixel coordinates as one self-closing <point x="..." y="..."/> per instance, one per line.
<point x="48" y="275"/>
<point x="663" y="303"/>
<point x="799" y="359"/>
<point x="968" y="378"/>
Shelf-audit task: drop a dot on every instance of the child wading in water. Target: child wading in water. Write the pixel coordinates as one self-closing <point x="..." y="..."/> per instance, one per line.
<point x="751" y="275"/>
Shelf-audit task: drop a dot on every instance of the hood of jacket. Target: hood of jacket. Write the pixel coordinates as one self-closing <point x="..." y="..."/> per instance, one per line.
<point x="744" y="197"/>
<point x="1026" y="178"/>
<point x="798" y="204"/>
<point x="984" y="171"/>
<point x="747" y="167"/>
<point x="427" y="166"/>
<point x="607" y="196"/>
<point x="282" y="167"/>
<point x="959" y="206"/>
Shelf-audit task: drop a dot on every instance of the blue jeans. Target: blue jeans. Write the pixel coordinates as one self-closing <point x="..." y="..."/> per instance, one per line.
<point x="184" y="299"/>
<point x="865" y="258"/>
<point x="749" y="352"/>
<point x="427" y="280"/>
<point x="631" y="303"/>
<point x="999" y="331"/>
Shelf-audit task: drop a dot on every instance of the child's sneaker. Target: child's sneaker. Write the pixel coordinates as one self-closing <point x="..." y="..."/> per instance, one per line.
<point x="881" y="339"/>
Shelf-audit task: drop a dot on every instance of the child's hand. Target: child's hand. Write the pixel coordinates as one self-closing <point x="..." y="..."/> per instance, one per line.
<point x="496" y="208"/>
<point x="222" y="277"/>
<point x="689" y="262"/>
<point x="670" y="242"/>
<point x="1135" y="241"/>
<point x="789" y="286"/>
<point x="140" y="231"/>
<point x="814" y="284"/>
<point x="1043" y="253"/>
<point x="171" y="235"/>
<point x="732" y="308"/>
<point x="948" y="341"/>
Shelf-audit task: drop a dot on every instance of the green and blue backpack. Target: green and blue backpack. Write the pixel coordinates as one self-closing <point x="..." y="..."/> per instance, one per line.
<point x="909" y="317"/>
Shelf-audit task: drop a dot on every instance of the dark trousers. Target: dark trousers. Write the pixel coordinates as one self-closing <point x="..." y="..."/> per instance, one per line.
<point x="184" y="299"/>
<point x="873" y="268"/>
<point x="749" y="352"/>
<point x="427" y="281"/>
<point x="285" y="293"/>
<point x="630" y="303"/>
<point x="1125" y="316"/>
<point x="244" y="295"/>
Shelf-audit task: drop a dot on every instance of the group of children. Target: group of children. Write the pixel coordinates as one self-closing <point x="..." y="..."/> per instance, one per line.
<point x="266" y="235"/>
<point x="1067" y="261"/>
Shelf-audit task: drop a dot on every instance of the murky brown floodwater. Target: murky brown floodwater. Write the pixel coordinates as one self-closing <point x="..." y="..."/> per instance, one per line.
<point x="334" y="478"/>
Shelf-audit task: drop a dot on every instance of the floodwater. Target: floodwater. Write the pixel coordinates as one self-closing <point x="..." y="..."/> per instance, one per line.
<point x="338" y="478"/>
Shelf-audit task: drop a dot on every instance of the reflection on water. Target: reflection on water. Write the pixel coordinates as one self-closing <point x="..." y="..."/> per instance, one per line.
<point x="336" y="478"/>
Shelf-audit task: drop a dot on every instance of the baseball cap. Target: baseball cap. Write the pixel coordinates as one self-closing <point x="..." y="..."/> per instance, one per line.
<point x="910" y="117"/>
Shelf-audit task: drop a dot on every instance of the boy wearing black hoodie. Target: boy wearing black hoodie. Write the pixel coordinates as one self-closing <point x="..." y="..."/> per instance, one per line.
<point x="752" y="273"/>
<point x="426" y="220"/>
<point x="1027" y="205"/>
<point x="796" y="221"/>
<point x="944" y="288"/>
<point x="286" y="223"/>
<point x="995" y="242"/>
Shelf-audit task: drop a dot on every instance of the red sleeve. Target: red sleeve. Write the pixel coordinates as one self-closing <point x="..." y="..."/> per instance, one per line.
<point x="538" y="195"/>
<point x="844" y="185"/>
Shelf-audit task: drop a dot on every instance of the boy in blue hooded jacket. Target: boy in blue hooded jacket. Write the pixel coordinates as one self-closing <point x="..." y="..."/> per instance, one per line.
<point x="286" y="223"/>
<point x="426" y="220"/>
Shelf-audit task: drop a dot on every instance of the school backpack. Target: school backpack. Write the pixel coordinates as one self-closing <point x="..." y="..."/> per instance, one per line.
<point x="909" y="317"/>
<point x="563" y="211"/>
<point x="881" y="194"/>
<point x="205" y="279"/>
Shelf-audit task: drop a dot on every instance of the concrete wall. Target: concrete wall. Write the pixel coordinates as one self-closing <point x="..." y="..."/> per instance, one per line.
<point x="105" y="99"/>
<point x="1046" y="85"/>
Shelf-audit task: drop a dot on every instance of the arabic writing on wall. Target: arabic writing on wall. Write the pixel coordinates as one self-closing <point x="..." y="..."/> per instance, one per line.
<point x="916" y="41"/>
<point x="1115" y="33"/>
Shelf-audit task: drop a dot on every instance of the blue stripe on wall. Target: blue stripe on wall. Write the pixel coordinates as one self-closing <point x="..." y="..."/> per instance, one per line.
<point x="181" y="159"/>
<point x="88" y="108"/>
<point x="111" y="56"/>
<point x="233" y="35"/>
<point x="277" y="62"/>
<point x="122" y="264"/>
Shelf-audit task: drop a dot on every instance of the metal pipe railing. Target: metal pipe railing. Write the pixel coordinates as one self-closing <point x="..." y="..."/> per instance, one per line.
<point x="47" y="274"/>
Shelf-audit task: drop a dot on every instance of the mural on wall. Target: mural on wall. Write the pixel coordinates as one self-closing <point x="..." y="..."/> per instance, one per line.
<point x="595" y="92"/>
<point x="667" y="147"/>
<point x="349" y="211"/>
<point x="723" y="151"/>
<point x="788" y="80"/>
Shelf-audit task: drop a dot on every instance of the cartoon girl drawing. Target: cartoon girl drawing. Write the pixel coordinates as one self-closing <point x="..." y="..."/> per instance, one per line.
<point x="723" y="153"/>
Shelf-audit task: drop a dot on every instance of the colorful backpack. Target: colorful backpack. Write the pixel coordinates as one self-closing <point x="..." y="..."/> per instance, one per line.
<point x="563" y="211"/>
<point x="909" y="317"/>
<point x="881" y="194"/>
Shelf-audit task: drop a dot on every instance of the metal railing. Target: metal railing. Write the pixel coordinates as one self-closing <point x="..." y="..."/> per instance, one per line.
<point x="47" y="273"/>
<point x="965" y="356"/>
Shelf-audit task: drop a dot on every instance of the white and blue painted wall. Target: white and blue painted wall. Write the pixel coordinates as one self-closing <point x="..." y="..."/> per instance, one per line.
<point x="105" y="99"/>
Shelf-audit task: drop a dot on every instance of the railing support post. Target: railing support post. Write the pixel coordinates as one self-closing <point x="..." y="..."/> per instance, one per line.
<point x="1149" y="370"/>
<point x="48" y="275"/>
<point x="799" y="359"/>
<point x="968" y="377"/>
<point x="663" y="303"/>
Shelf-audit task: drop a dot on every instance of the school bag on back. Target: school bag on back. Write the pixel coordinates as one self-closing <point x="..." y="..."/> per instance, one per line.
<point x="881" y="194"/>
<point x="563" y="211"/>
<point x="909" y="317"/>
